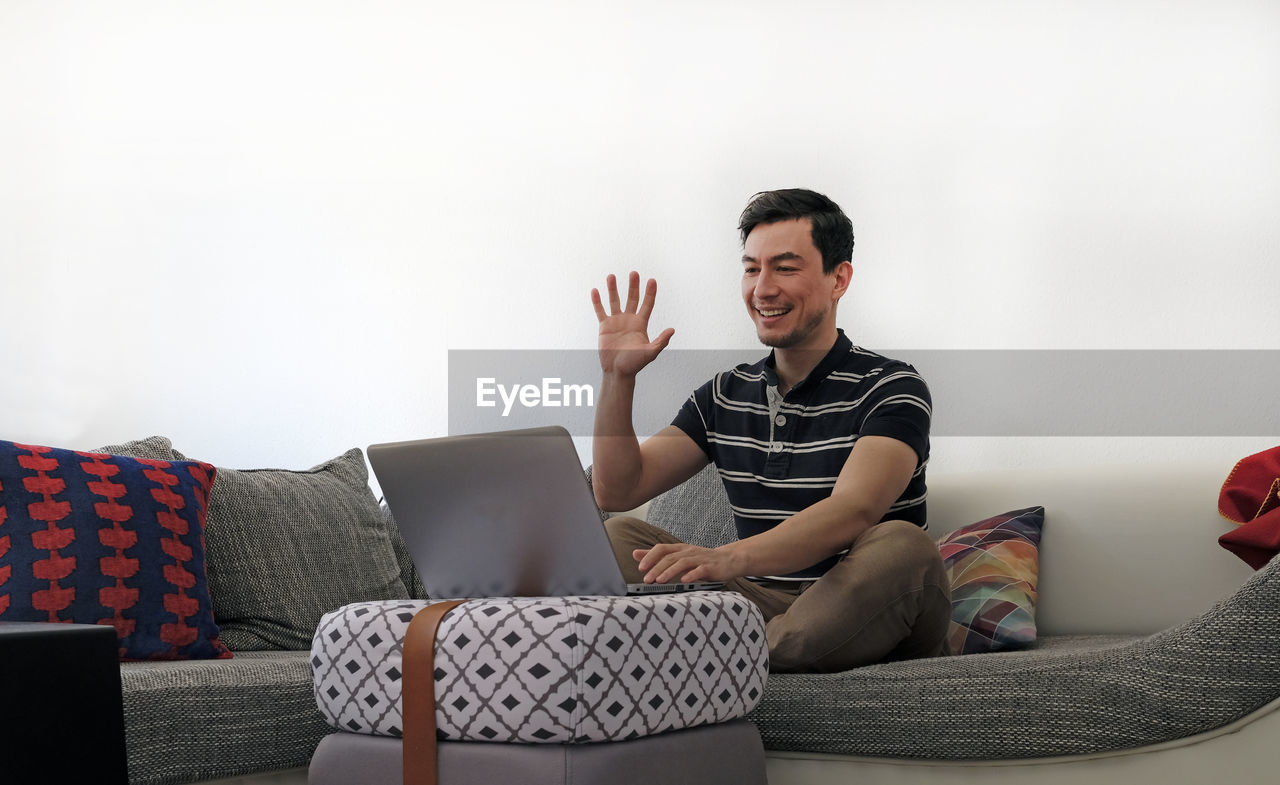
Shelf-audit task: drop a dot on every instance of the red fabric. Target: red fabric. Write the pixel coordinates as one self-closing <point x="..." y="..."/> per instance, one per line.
<point x="1251" y="498"/>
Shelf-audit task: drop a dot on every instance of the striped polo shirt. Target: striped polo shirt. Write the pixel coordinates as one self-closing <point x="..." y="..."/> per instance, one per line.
<point x="778" y="454"/>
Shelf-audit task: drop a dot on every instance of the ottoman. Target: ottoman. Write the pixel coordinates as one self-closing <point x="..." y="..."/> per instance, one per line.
<point x="548" y="686"/>
<point x="726" y="754"/>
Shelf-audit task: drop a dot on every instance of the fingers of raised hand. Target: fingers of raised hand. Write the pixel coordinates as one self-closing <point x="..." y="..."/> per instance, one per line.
<point x="633" y="291"/>
<point x="599" y="306"/>
<point x="662" y="340"/>
<point x="612" y="284"/>
<point x="655" y="347"/>
<point x="650" y="294"/>
<point x="634" y="303"/>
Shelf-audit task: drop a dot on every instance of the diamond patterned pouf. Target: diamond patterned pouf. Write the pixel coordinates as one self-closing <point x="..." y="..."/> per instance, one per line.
<point x="550" y="669"/>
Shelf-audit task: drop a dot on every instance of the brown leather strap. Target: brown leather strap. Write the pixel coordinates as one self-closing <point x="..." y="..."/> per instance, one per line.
<point x="418" y="693"/>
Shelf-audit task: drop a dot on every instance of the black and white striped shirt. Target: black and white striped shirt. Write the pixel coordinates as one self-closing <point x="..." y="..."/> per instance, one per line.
<point x="778" y="455"/>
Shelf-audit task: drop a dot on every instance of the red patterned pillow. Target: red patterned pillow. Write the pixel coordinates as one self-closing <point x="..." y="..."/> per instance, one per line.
<point x="104" y="539"/>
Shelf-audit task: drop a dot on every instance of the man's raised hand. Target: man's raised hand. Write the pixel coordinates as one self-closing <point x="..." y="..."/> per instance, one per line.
<point x="625" y="347"/>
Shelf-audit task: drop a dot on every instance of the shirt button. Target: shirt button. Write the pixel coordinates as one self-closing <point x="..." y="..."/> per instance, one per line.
<point x="777" y="447"/>
<point x="780" y="420"/>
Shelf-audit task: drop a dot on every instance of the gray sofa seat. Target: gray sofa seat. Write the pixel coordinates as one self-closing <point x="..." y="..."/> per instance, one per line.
<point x="1069" y="695"/>
<point x="187" y="721"/>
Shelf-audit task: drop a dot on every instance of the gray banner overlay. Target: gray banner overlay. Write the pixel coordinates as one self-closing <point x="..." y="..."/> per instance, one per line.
<point x="975" y="392"/>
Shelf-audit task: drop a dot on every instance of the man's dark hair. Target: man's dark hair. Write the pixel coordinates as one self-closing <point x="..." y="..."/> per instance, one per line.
<point x="832" y="230"/>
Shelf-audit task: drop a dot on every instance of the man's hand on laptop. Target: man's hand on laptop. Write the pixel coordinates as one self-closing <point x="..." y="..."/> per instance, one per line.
<point x="683" y="563"/>
<point x="625" y="347"/>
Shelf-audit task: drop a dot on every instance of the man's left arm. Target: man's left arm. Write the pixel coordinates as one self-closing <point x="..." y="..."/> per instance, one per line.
<point x="874" y="475"/>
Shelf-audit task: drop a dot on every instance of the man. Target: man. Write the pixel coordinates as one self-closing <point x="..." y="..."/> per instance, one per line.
<point x="821" y="446"/>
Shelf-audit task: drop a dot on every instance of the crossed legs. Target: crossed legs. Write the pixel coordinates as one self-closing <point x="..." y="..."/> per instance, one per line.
<point x="887" y="599"/>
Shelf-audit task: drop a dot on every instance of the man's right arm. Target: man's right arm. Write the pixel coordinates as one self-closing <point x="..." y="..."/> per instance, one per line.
<point x="626" y="473"/>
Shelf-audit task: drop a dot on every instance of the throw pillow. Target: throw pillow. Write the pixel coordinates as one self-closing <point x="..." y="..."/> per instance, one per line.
<point x="696" y="511"/>
<point x="993" y="566"/>
<point x="99" y="539"/>
<point x="1251" y="497"/>
<point x="286" y="547"/>
<point x="154" y="447"/>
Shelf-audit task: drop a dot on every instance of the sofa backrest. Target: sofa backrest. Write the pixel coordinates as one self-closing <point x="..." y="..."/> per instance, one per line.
<point x="1126" y="549"/>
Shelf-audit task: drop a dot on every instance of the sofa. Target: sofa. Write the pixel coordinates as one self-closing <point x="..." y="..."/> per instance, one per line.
<point x="1154" y="654"/>
<point x="1153" y="661"/>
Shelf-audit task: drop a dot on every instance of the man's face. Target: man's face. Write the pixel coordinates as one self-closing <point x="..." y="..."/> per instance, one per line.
<point x="790" y="299"/>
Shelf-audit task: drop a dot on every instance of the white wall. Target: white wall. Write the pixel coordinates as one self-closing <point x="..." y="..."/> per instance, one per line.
<point x="257" y="227"/>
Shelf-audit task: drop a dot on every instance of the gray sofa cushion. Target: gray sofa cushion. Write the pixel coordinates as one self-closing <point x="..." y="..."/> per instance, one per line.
<point x="696" y="511"/>
<point x="286" y="547"/>
<point x="1062" y="698"/>
<point x="191" y="721"/>
<point x="156" y="448"/>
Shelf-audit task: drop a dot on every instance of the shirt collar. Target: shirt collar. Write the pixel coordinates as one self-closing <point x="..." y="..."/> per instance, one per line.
<point x="828" y="363"/>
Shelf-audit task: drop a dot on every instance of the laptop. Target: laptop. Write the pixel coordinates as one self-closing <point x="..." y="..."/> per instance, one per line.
<point x="506" y="514"/>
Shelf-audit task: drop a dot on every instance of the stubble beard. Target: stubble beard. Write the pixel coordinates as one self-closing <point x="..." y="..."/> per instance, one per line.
<point x="797" y="335"/>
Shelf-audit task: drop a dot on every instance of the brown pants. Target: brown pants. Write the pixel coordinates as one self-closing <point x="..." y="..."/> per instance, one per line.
<point x="886" y="599"/>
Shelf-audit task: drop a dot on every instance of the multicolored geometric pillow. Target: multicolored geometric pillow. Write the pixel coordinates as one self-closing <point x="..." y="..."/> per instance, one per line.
<point x="104" y="539"/>
<point x="993" y="566"/>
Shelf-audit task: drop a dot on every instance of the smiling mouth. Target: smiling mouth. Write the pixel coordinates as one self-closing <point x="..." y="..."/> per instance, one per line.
<point x="769" y="313"/>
